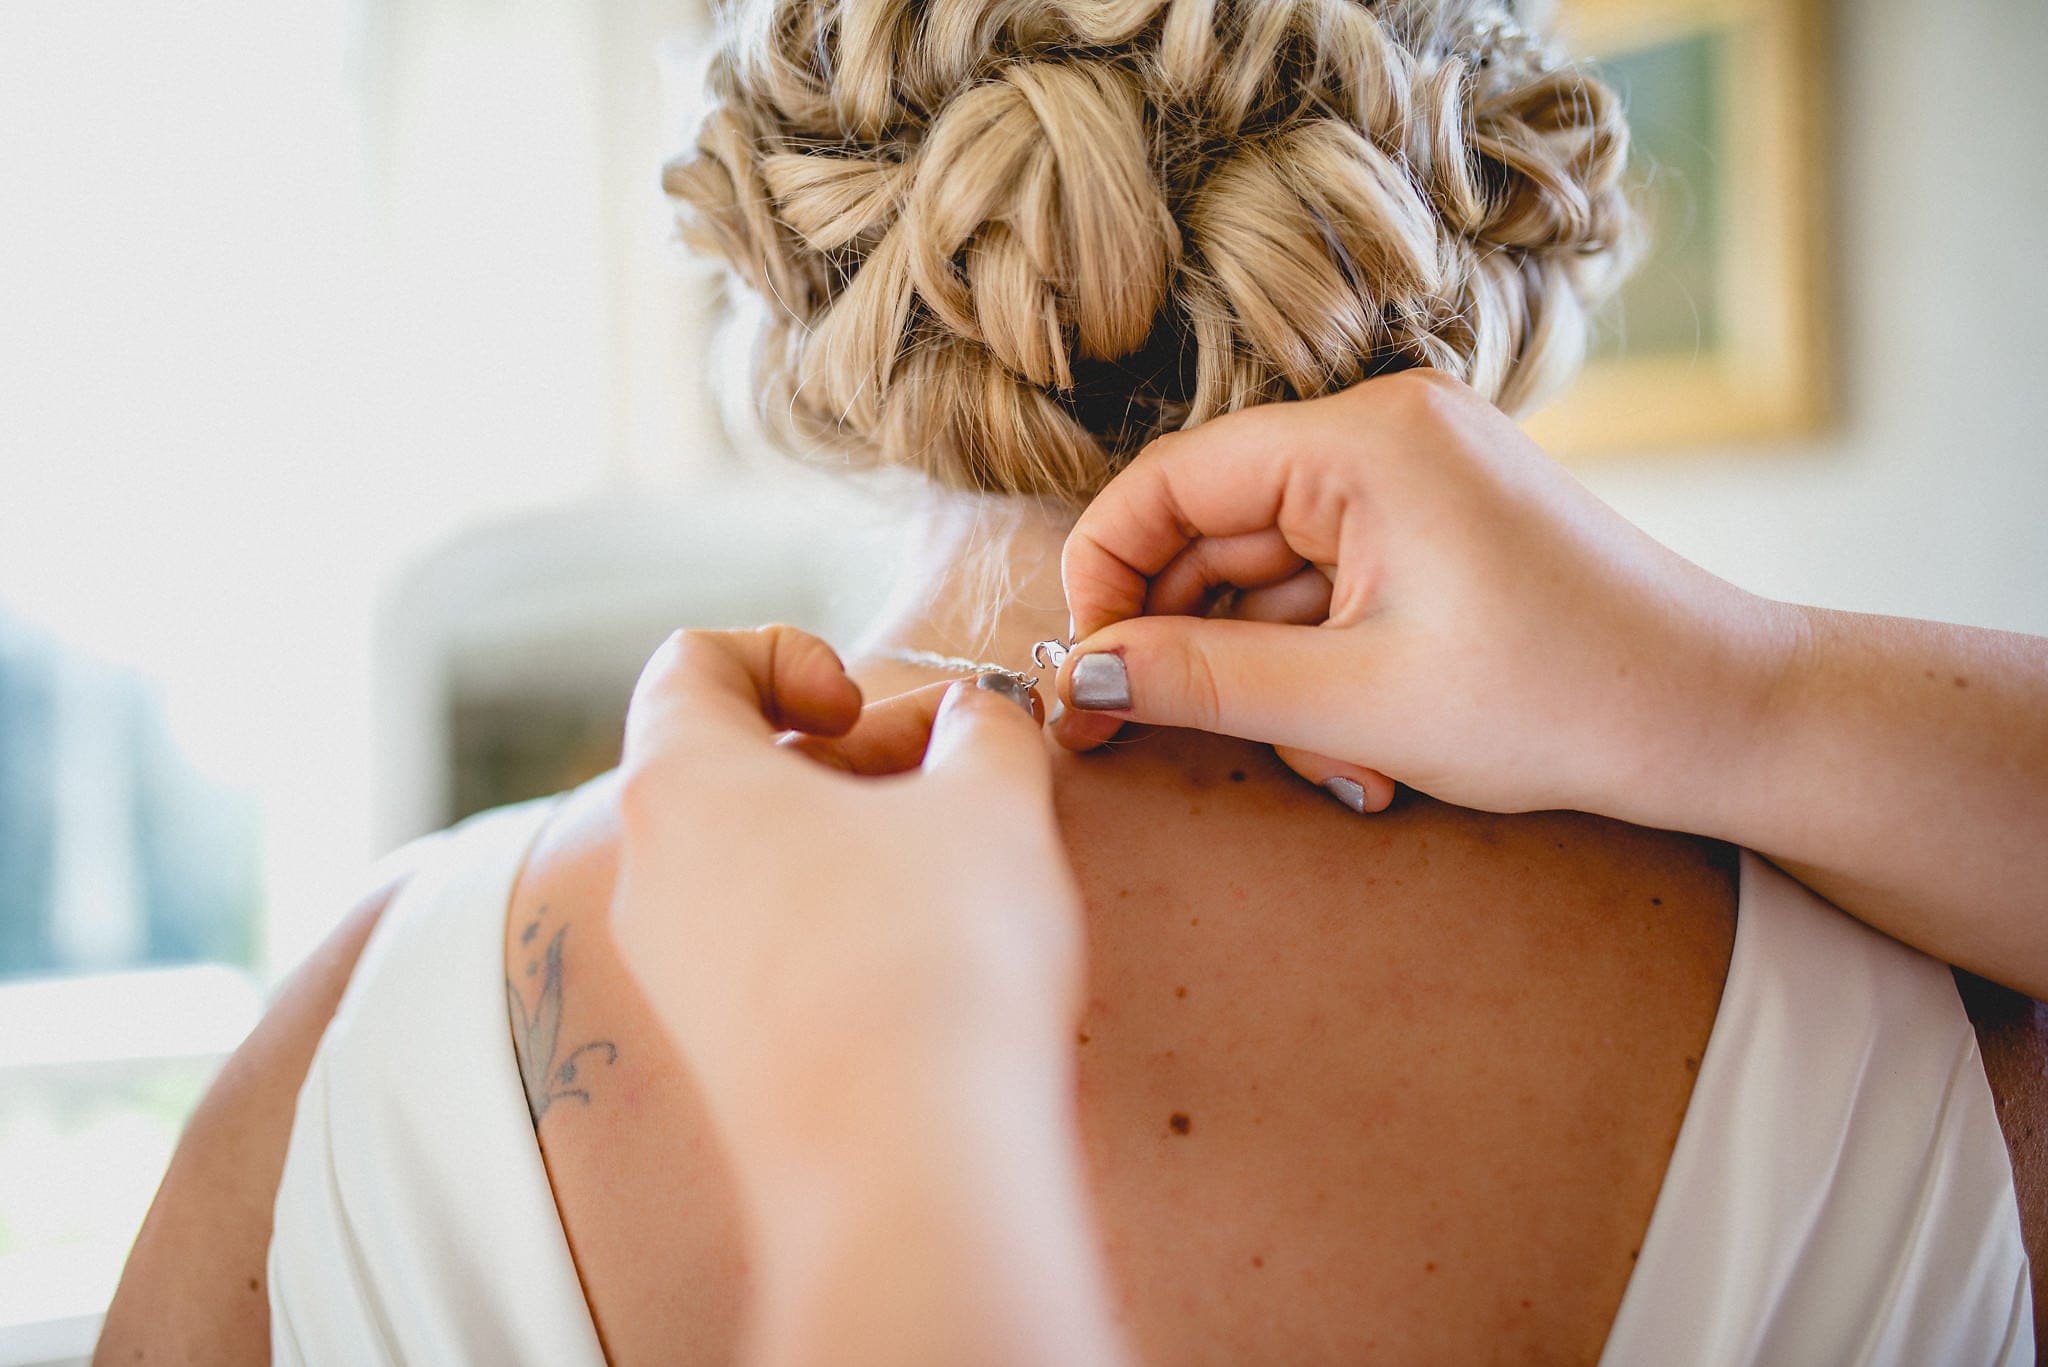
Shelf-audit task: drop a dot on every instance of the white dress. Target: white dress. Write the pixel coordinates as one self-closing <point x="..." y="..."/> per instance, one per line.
<point x="1839" y="1194"/>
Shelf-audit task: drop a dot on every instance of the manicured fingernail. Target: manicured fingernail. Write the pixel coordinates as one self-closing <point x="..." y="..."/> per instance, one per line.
<point x="1010" y="686"/>
<point x="1059" y="709"/>
<point x="1348" y="791"/>
<point x="1100" y="683"/>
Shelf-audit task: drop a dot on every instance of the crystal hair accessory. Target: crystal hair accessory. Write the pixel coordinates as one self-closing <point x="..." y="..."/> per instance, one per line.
<point x="1495" y="42"/>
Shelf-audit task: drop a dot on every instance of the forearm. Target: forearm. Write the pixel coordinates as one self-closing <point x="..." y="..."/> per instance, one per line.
<point x="950" y="1227"/>
<point x="1900" y="768"/>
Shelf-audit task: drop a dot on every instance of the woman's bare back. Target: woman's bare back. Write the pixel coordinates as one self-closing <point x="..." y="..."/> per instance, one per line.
<point x="1403" y="1086"/>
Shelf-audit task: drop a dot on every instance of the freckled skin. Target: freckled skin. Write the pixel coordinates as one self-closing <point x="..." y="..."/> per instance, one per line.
<point x="1402" y="1057"/>
<point x="1433" y="1037"/>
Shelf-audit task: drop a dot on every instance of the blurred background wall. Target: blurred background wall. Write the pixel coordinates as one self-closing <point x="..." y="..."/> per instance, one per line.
<point x="358" y="437"/>
<point x="1928" y="494"/>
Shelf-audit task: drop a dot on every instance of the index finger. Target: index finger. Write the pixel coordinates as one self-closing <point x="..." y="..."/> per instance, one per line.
<point x="1227" y="477"/>
<point x="891" y="735"/>
<point x="718" y="688"/>
<point x="889" y="738"/>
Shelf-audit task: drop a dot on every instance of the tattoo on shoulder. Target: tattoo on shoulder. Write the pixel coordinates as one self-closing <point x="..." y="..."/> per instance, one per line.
<point x="536" y="1036"/>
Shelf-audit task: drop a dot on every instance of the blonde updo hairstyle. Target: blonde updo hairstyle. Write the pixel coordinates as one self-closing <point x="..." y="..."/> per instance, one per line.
<point x="1007" y="242"/>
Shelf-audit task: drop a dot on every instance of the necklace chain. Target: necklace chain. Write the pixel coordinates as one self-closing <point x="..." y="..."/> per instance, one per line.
<point x="1045" y="653"/>
<point x="959" y="664"/>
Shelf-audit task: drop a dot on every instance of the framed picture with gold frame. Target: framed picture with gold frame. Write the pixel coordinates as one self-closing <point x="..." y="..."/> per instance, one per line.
<point x="1720" y="336"/>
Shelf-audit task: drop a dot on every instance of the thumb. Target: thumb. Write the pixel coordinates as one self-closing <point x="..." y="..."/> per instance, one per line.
<point x="1361" y="789"/>
<point x="1283" y="684"/>
<point x="987" y="732"/>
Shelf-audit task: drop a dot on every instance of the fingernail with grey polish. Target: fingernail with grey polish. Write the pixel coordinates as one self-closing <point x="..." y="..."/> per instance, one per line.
<point x="1099" y="684"/>
<point x="1348" y="791"/>
<point x="1010" y="686"/>
<point x="1059" y="709"/>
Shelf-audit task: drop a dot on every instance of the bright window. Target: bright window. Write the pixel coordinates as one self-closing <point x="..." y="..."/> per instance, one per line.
<point x="291" y="295"/>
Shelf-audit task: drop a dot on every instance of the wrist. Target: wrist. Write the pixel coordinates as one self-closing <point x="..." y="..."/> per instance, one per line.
<point x="1776" y="656"/>
<point x="957" y="1230"/>
<point x="1730" y="698"/>
<point x="876" y="1113"/>
<point x="932" y="1160"/>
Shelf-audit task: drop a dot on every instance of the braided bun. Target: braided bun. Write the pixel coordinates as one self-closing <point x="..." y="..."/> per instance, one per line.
<point x="1007" y="242"/>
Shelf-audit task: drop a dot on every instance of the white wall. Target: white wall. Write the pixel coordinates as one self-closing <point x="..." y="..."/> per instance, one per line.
<point x="1930" y="496"/>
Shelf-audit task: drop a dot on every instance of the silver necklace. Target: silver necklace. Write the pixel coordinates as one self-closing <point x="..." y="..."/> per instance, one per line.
<point x="1046" y="655"/>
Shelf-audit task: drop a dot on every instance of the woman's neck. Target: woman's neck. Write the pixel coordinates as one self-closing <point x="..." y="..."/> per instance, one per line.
<point x="981" y="582"/>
